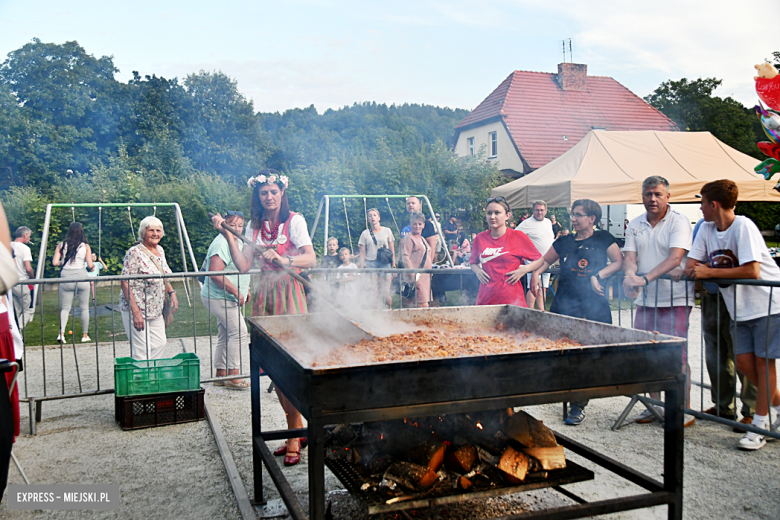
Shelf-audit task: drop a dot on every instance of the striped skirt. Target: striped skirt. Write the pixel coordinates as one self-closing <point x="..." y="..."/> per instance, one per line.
<point x="277" y="293"/>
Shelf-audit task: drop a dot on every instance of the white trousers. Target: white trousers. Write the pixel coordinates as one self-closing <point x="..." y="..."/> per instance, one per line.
<point x="22" y="301"/>
<point x="148" y="343"/>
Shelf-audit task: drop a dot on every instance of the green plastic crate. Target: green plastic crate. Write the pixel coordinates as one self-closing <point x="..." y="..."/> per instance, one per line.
<point x="156" y="376"/>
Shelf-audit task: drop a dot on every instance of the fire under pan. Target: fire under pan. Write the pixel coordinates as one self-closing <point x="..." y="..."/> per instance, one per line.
<point x="442" y="494"/>
<point x="613" y="361"/>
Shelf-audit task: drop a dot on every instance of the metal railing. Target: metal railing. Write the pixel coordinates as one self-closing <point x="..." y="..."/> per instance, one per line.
<point x="75" y="369"/>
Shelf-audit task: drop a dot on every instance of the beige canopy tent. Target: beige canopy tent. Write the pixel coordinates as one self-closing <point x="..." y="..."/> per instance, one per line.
<point x="609" y="167"/>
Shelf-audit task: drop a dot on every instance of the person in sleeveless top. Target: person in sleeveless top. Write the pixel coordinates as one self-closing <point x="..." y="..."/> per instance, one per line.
<point x="73" y="254"/>
<point x="284" y="234"/>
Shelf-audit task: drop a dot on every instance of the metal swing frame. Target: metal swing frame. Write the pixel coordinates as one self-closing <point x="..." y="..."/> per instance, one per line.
<point x="325" y="205"/>
<point x="180" y="227"/>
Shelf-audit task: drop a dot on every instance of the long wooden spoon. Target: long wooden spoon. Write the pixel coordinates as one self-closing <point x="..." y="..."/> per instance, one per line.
<point x="340" y="310"/>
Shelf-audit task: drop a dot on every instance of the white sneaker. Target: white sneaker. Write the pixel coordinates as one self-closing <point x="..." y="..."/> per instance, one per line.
<point x="751" y="441"/>
<point x="85" y="339"/>
<point x="60" y="338"/>
<point x="775" y="428"/>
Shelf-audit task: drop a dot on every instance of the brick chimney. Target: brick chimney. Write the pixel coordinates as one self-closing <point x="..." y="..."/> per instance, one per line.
<point x="571" y="76"/>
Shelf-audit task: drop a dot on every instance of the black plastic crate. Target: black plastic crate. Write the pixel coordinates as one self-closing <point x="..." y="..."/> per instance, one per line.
<point x="146" y="411"/>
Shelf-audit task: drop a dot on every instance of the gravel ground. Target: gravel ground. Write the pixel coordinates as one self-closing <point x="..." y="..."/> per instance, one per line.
<point x="175" y="471"/>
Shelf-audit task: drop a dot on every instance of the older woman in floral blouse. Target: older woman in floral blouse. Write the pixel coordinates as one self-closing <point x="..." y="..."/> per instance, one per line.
<point x="141" y="301"/>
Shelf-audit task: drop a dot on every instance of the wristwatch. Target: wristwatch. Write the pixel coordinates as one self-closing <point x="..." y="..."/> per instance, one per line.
<point x="288" y="257"/>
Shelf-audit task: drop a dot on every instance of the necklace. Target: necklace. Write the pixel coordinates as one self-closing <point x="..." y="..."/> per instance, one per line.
<point x="269" y="236"/>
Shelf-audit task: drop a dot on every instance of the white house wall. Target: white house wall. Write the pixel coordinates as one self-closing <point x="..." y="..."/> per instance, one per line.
<point x="507" y="158"/>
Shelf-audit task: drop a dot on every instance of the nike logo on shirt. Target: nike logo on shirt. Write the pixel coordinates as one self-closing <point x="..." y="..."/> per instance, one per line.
<point x="491" y="253"/>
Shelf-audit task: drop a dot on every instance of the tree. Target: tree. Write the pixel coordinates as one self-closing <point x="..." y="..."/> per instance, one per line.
<point x="71" y="95"/>
<point x="692" y="106"/>
<point x="223" y="134"/>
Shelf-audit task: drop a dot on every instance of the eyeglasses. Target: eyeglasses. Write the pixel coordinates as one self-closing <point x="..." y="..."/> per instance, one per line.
<point x="232" y="213"/>
<point x="496" y="199"/>
<point x="579" y="215"/>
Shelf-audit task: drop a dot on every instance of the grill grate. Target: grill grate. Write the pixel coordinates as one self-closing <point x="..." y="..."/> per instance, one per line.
<point x="443" y="493"/>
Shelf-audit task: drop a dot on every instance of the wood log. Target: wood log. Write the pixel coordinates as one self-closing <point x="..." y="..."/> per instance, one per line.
<point x="514" y="464"/>
<point x="549" y="458"/>
<point x="411" y="476"/>
<point x="429" y="453"/>
<point x="529" y="432"/>
<point x="461" y="460"/>
<point x="464" y="483"/>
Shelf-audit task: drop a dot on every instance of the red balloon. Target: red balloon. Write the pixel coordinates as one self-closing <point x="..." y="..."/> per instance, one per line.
<point x="770" y="149"/>
<point x="769" y="91"/>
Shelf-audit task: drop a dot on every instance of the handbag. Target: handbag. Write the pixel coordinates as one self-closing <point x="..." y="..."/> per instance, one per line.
<point x="409" y="289"/>
<point x="383" y="255"/>
<point x="167" y="310"/>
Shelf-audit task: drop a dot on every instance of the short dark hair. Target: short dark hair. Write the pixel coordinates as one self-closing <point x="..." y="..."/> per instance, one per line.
<point x="591" y="208"/>
<point x="724" y="191"/>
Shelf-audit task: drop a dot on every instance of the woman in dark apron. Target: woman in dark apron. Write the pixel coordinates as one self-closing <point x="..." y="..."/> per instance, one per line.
<point x="584" y="269"/>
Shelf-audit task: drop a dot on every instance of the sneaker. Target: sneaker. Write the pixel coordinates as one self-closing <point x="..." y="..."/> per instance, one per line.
<point x="775" y="428"/>
<point x="647" y="416"/>
<point x="751" y="442"/>
<point x="576" y="415"/>
<point x="60" y="338"/>
<point x="688" y="421"/>
<point x="85" y="339"/>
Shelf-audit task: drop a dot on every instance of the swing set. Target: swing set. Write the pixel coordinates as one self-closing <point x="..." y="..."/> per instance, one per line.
<point x="325" y="207"/>
<point x="180" y="227"/>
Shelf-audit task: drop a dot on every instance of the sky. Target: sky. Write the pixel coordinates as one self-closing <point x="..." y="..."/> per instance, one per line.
<point x="298" y="53"/>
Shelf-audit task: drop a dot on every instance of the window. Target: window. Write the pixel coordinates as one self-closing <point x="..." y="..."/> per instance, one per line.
<point x="493" y="140"/>
<point x="470" y="142"/>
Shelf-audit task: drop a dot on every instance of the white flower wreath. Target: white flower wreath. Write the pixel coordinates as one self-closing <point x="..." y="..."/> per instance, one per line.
<point x="271" y="179"/>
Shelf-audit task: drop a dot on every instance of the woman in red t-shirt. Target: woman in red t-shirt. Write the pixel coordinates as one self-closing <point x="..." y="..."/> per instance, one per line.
<point x="499" y="256"/>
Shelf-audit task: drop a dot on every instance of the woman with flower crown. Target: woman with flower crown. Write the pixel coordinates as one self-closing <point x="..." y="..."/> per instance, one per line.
<point x="285" y="236"/>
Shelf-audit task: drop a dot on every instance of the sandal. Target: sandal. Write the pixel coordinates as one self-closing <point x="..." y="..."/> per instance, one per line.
<point x="282" y="450"/>
<point x="242" y="385"/>
<point x="292" y="458"/>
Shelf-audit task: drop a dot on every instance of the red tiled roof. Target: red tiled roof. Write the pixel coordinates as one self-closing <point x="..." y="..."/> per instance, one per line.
<point x="538" y="113"/>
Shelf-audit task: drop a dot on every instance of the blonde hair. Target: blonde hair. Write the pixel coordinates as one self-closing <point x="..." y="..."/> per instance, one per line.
<point x="416" y="217"/>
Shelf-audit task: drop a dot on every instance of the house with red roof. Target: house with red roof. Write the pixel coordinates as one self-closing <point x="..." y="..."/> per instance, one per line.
<point x="532" y="118"/>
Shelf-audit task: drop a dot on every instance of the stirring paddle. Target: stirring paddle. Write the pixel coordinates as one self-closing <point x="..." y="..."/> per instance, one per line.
<point x="340" y="310"/>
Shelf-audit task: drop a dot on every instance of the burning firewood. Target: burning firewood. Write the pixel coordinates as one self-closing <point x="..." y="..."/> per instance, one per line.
<point x="464" y="483"/>
<point x="461" y="459"/>
<point x="549" y="458"/>
<point x="529" y="432"/>
<point x="412" y="477"/>
<point x="430" y="454"/>
<point x="514" y="464"/>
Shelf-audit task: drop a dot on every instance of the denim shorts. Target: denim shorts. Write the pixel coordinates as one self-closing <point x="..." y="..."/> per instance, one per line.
<point x="751" y="335"/>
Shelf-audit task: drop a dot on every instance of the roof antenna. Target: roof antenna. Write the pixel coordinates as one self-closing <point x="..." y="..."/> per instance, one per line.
<point x="563" y="42"/>
<point x="571" y="56"/>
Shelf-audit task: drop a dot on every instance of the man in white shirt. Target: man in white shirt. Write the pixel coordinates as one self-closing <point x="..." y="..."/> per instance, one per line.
<point x="730" y="246"/>
<point x="21" y="292"/>
<point x="539" y="230"/>
<point x="656" y="244"/>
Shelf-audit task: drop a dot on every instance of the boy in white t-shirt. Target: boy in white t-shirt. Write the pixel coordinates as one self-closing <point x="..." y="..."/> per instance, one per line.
<point x="730" y="246"/>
